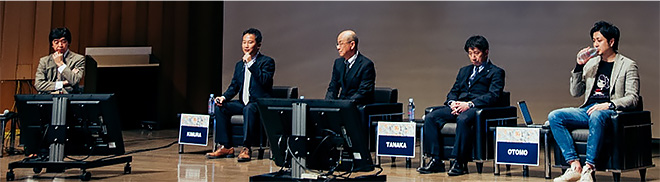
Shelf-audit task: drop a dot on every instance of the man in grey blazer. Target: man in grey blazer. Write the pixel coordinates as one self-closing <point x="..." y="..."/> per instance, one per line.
<point x="610" y="82"/>
<point x="61" y="71"/>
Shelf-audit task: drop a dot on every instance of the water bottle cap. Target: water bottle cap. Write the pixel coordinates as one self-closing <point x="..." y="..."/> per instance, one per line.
<point x="212" y="95"/>
<point x="410" y="99"/>
<point x="302" y="97"/>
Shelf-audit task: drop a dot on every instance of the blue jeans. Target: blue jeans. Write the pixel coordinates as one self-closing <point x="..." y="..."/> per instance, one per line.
<point x="561" y="120"/>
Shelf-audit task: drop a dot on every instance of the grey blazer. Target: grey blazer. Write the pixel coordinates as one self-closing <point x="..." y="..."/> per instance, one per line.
<point x="624" y="82"/>
<point x="46" y="75"/>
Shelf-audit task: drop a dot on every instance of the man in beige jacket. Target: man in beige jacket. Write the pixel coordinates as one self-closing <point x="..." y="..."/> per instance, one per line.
<point x="610" y="82"/>
<point x="61" y="71"/>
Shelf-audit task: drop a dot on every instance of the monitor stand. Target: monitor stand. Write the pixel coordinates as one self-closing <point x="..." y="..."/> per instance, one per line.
<point x="297" y="173"/>
<point x="57" y="137"/>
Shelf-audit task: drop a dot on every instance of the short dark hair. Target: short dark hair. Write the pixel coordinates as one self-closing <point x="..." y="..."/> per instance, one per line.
<point x="58" y="33"/>
<point x="254" y="32"/>
<point x="609" y="31"/>
<point x="476" y="41"/>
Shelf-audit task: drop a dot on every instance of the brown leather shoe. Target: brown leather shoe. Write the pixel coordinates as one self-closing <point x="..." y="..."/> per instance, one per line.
<point x="245" y="155"/>
<point x="221" y="153"/>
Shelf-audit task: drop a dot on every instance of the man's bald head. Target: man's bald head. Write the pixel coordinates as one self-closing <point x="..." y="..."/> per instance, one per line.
<point x="348" y="35"/>
<point x="347" y="43"/>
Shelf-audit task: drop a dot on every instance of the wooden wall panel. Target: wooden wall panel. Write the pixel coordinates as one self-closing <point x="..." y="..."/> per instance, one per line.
<point x="85" y="30"/>
<point x="72" y="17"/>
<point x="41" y="46"/>
<point x="10" y="41"/>
<point x="114" y="24"/>
<point x="100" y="24"/>
<point x="165" y="26"/>
<point x="26" y="33"/>
<point x="141" y="23"/>
<point x="2" y="91"/>
<point x="2" y="18"/>
<point x="128" y="23"/>
<point x="7" y="95"/>
<point x="155" y="27"/>
<point x="57" y="19"/>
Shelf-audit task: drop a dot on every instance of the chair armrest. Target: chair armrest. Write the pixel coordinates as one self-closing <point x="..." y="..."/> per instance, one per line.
<point x="631" y="140"/>
<point x="628" y="118"/>
<point x="383" y="108"/>
<point x="490" y="117"/>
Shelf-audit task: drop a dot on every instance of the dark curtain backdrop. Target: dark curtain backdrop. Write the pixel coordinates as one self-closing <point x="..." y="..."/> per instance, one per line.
<point x="418" y="46"/>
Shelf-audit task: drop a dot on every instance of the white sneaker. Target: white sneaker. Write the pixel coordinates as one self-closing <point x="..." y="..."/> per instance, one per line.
<point x="586" y="174"/>
<point x="569" y="175"/>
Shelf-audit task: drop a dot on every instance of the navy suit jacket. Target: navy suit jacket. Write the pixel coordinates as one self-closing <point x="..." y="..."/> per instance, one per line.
<point x="486" y="89"/>
<point x="358" y="84"/>
<point x="261" y="83"/>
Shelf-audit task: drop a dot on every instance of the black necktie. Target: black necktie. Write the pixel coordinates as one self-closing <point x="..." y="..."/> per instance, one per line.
<point x="346" y="68"/>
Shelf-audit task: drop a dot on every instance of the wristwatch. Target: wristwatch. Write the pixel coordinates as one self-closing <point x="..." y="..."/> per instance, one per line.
<point x="612" y="106"/>
<point x="471" y="104"/>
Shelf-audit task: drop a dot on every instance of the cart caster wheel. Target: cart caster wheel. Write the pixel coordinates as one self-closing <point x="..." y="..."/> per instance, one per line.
<point x="86" y="176"/>
<point x="10" y="176"/>
<point x="37" y="170"/>
<point x="127" y="169"/>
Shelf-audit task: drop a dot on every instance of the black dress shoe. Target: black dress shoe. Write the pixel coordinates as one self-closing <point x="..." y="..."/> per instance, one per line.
<point x="434" y="166"/>
<point x="459" y="168"/>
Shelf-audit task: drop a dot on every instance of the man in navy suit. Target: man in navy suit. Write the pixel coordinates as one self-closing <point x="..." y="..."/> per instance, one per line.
<point x="353" y="74"/>
<point x="477" y="85"/>
<point x="253" y="78"/>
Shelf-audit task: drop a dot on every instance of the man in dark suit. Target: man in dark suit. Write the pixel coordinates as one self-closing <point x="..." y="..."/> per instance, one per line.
<point x="353" y="74"/>
<point x="477" y="85"/>
<point x="254" y="82"/>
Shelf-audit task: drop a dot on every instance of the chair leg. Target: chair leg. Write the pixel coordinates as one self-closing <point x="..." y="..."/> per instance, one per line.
<point x="261" y="153"/>
<point x="642" y="174"/>
<point x="480" y="167"/>
<point x="616" y="176"/>
<point x="393" y="162"/>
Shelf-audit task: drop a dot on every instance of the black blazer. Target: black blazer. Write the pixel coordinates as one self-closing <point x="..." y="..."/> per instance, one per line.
<point x="261" y="83"/>
<point x="358" y="84"/>
<point x="486" y="89"/>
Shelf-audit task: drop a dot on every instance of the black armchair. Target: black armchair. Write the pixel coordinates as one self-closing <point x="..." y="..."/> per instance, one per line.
<point x="627" y="144"/>
<point x="287" y="92"/>
<point x="502" y="114"/>
<point x="384" y="108"/>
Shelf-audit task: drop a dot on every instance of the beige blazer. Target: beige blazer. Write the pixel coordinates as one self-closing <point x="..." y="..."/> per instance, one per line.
<point x="624" y="82"/>
<point x="46" y="74"/>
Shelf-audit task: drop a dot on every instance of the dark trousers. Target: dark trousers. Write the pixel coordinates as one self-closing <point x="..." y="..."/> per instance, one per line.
<point x="433" y="123"/>
<point x="223" y="122"/>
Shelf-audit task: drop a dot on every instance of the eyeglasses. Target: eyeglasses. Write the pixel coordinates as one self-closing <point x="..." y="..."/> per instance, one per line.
<point x="342" y="43"/>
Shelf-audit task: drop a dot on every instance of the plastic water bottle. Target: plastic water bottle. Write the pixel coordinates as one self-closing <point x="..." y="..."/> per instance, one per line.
<point x="411" y="110"/>
<point x="586" y="55"/>
<point x="211" y="105"/>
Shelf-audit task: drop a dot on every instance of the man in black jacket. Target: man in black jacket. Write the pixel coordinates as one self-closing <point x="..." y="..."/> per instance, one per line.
<point x="353" y="74"/>
<point x="253" y="78"/>
<point x="477" y="85"/>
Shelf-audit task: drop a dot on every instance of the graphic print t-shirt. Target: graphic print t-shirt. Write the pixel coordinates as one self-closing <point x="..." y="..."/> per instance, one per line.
<point x="601" y="91"/>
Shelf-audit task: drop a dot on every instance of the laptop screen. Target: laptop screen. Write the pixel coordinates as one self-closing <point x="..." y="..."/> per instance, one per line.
<point x="525" y="112"/>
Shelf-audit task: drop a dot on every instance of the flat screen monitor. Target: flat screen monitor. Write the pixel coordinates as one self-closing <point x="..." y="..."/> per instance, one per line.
<point x="337" y="138"/>
<point x="92" y="124"/>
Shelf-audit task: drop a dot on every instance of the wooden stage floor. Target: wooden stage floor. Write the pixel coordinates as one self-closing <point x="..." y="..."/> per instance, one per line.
<point x="167" y="165"/>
